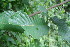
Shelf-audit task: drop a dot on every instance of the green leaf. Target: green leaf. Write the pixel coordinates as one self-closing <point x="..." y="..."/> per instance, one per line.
<point x="57" y="21"/>
<point x="5" y="25"/>
<point x="34" y="26"/>
<point x="63" y="29"/>
<point x="38" y="29"/>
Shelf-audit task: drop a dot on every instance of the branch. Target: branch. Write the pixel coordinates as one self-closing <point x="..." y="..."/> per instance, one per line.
<point x="50" y="7"/>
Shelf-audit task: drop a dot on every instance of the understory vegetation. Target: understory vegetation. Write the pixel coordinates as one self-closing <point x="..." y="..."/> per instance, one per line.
<point x="34" y="23"/>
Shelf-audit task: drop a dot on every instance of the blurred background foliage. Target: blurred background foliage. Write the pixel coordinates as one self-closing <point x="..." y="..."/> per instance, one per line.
<point x="15" y="5"/>
<point x="13" y="38"/>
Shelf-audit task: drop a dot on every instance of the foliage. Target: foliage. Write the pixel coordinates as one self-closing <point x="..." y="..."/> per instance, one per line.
<point x="63" y="29"/>
<point x="51" y="28"/>
<point x="14" y="5"/>
<point x="31" y="26"/>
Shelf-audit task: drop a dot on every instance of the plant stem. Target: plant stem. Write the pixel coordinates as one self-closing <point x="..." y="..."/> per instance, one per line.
<point x="50" y="8"/>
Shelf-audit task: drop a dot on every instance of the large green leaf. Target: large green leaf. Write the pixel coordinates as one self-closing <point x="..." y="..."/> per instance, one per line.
<point x="34" y="26"/>
<point x="5" y="25"/>
<point x="38" y="29"/>
<point x="63" y="29"/>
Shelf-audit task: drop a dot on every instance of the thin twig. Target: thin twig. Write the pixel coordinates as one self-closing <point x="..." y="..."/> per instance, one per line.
<point x="50" y="7"/>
